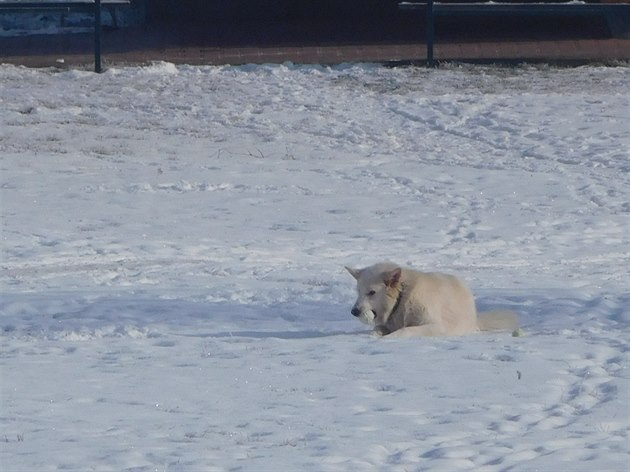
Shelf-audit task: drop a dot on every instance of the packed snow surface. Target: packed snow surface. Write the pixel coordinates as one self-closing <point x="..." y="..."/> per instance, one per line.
<point x="173" y="290"/>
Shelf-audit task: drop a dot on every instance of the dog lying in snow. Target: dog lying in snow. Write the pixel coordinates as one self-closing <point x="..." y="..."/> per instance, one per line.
<point x="403" y="302"/>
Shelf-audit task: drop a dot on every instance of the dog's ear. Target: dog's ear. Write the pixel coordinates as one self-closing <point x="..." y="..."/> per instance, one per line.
<point x="393" y="277"/>
<point x="356" y="273"/>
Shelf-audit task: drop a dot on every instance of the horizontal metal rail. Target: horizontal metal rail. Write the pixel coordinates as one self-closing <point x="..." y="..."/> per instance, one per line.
<point x="51" y="4"/>
<point x="94" y="6"/>
<point x="534" y="9"/>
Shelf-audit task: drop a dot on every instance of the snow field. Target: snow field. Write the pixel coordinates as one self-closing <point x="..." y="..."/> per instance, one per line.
<point x="173" y="291"/>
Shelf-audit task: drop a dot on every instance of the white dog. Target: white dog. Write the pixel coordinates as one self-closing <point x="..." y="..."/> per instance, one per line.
<point x="403" y="302"/>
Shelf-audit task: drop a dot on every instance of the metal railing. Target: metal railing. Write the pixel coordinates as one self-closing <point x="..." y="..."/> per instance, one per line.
<point x="93" y="6"/>
<point x="571" y="8"/>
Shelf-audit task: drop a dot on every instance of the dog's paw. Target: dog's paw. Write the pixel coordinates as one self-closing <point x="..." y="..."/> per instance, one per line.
<point x="381" y="330"/>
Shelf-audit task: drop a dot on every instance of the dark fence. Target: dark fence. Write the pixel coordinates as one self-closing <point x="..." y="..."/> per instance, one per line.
<point x="617" y="13"/>
<point x="242" y="10"/>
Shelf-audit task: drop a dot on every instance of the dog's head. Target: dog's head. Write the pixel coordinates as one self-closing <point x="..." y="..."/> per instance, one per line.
<point x="378" y="288"/>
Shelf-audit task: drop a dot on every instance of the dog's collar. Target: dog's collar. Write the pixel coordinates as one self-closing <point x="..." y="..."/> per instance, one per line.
<point x="397" y="304"/>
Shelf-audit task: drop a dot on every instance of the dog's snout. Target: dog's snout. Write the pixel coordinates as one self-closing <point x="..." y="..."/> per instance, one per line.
<point x="355" y="311"/>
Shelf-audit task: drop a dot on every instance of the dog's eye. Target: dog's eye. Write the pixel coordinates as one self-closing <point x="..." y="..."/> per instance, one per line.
<point x="371" y="293"/>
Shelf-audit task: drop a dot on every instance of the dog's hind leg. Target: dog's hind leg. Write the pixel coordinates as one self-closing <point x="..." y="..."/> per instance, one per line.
<point x="414" y="331"/>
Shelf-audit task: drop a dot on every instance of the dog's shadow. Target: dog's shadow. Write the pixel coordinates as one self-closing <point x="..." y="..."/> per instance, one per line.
<point x="286" y="335"/>
<point x="58" y="316"/>
<point x="303" y="320"/>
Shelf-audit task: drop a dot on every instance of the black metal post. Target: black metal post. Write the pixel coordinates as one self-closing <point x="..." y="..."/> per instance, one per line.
<point x="430" y="33"/>
<point x="97" y="36"/>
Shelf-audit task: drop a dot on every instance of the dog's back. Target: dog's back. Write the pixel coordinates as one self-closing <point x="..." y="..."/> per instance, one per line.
<point x="441" y="300"/>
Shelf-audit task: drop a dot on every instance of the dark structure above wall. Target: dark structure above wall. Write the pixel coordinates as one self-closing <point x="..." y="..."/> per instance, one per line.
<point x="237" y="10"/>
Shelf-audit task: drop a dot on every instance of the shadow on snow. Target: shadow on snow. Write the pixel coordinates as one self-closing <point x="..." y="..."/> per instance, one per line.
<point x="90" y="316"/>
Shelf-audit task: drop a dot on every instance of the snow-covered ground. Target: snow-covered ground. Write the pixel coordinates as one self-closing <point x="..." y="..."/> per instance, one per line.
<point x="173" y="291"/>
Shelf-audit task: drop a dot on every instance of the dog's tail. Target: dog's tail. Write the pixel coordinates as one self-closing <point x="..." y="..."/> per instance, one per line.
<point x="500" y="320"/>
